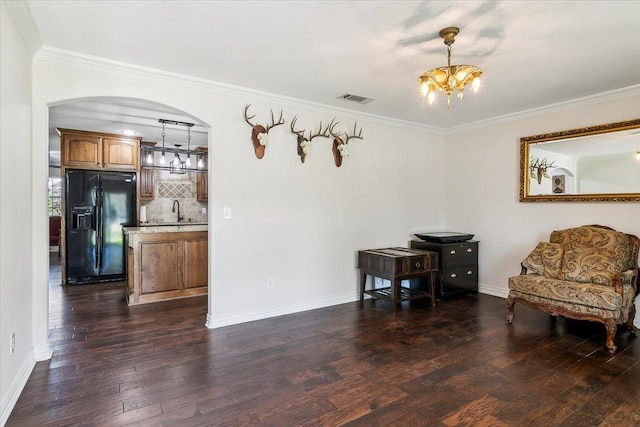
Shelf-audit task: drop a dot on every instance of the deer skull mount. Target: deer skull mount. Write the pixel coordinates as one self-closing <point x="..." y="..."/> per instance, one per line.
<point x="340" y="146"/>
<point x="304" y="144"/>
<point x="538" y="169"/>
<point x="260" y="134"/>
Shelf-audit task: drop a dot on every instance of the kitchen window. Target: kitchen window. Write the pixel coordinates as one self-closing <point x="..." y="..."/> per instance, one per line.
<point x="55" y="196"/>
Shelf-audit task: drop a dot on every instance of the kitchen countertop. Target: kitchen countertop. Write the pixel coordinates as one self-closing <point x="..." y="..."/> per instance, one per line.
<point x="168" y="228"/>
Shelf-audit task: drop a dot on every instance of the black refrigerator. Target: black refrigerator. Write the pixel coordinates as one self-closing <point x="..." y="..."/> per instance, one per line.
<point x="97" y="206"/>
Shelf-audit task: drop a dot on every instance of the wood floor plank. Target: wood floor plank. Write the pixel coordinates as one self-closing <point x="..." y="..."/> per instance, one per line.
<point x="458" y="363"/>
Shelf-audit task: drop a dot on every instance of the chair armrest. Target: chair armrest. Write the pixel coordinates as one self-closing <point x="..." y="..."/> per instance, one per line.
<point x="631" y="277"/>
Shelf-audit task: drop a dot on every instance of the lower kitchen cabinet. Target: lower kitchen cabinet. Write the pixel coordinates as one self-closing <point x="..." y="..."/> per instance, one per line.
<point x="166" y="265"/>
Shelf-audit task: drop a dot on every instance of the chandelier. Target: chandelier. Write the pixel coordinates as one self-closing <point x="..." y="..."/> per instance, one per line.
<point x="155" y="156"/>
<point x="450" y="78"/>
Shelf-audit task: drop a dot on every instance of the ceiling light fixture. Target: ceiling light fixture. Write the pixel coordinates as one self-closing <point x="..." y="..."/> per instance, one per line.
<point x="177" y="164"/>
<point x="450" y="78"/>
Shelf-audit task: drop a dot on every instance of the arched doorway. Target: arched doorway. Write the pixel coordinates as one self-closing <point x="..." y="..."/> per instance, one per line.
<point x="117" y="116"/>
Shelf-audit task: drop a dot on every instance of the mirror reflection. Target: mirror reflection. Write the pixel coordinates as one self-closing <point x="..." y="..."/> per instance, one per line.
<point x="599" y="163"/>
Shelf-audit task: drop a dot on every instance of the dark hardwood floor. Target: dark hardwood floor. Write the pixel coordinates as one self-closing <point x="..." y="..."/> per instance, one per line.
<point x="458" y="363"/>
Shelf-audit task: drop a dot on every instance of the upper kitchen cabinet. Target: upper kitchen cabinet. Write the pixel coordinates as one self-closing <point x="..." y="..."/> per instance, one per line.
<point x="92" y="150"/>
<point x="146" y="178"/>
<point x="202" y="181"/>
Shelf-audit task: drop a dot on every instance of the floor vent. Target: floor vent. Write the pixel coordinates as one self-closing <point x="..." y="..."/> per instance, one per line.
<point x="356" y="98"/>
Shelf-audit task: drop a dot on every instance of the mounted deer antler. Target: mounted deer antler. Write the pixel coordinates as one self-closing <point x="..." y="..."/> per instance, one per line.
<point x="538" y="169"/>
<point x="259" y="134"/>
<point x="304" y="144"/>
<point x="339" y="147"/>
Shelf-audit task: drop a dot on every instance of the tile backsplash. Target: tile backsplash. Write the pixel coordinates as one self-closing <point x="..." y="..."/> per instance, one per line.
<point x="169" y="187"/>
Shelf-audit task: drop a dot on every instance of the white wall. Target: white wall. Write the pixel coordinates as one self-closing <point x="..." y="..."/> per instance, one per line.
<point x="618" y="173"/>
<point x="483" y="184"/>
<point x="15" y="213"/>
<point x="298" y="224"/>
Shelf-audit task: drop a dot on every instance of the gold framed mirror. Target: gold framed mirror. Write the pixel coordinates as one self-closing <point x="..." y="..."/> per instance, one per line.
<point x="592" y="164"/>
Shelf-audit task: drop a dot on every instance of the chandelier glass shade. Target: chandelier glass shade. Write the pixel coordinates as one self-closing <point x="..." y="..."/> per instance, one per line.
<point x="452" y="78"/>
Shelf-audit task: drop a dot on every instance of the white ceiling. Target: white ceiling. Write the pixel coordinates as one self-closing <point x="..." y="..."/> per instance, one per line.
<point x="533" y="53"/>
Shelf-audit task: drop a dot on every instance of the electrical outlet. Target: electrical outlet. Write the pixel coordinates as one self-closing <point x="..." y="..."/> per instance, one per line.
<point x="204" y="211"/>
<point x="12" y="345"/>
<point x="269" y="283"/>
<point x="226" y="213"/>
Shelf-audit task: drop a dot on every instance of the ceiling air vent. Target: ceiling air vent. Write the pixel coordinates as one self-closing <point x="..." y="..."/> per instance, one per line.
<point x="355" y="98"/>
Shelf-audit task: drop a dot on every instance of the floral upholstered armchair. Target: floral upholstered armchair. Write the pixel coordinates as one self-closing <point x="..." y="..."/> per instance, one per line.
<point x="588" y="273"/>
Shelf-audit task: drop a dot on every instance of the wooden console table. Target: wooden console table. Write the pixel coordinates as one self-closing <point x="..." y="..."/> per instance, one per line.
<point x="395" y="265"/>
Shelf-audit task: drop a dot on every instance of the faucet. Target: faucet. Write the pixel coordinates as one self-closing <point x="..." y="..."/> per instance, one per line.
<point x="180" y="218"/>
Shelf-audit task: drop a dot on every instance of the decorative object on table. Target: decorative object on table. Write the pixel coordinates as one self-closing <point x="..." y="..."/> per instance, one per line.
<point x="304" y="144"/>
<point x="538" y="169"/>
<point x="585" y="273"/>
<point x="259" y="133"/>
<point x="450" y="78"/>
<point x="444" y="236"/>
<point x="340" y="147"/>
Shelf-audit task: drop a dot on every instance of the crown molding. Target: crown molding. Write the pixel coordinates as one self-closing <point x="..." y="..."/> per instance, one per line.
<point x="66" y="57"/>
<point x="611" y="95"/>
<point x="21" y="14"/>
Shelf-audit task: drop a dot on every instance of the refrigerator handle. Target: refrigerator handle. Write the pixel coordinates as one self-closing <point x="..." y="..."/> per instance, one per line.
<point x="99" y="223"/>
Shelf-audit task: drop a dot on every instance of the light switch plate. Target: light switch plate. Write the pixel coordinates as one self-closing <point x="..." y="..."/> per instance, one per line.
<point x="226" y="213"/>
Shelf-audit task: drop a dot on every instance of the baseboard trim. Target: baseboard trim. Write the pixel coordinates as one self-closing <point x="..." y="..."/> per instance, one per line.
<point x="42" y="353"/>
<point x="496" y="291"/>
<point x="233" y="319"/>
<point x="16" y="387"/>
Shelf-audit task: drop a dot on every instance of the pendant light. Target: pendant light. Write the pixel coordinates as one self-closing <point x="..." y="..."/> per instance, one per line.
<point x="188" y="162"/>
<point x="180" y="162"/>
<point x="162" y="157"/>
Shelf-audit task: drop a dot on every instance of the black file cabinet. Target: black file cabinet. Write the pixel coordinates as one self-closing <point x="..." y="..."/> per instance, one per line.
<point x="458" y="272"/>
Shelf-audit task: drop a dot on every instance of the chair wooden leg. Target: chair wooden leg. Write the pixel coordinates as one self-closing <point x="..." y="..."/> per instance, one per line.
<point x="611" y="326"/>
<point x="510" y="303"/>
<point x="632" y="316"/>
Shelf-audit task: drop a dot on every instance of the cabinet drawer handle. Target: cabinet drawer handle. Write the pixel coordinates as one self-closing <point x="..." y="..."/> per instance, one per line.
<point x="453" y="252"/>
<point x="453" y="275"/>
<point x="469" y="250"/>
<point x="469" y="272"/>
<point x="417" y="264"/>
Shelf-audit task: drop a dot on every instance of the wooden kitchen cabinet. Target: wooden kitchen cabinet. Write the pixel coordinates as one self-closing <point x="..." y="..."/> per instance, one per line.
<point x="120" y="153"/>
<point x="146" y="184"/>
<point x="166" y="265"/>
<point x="202" y="181"/>
<point x="196" y="257"/>
<point x="146" y="177"/>
<point x="93" y="150"/>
